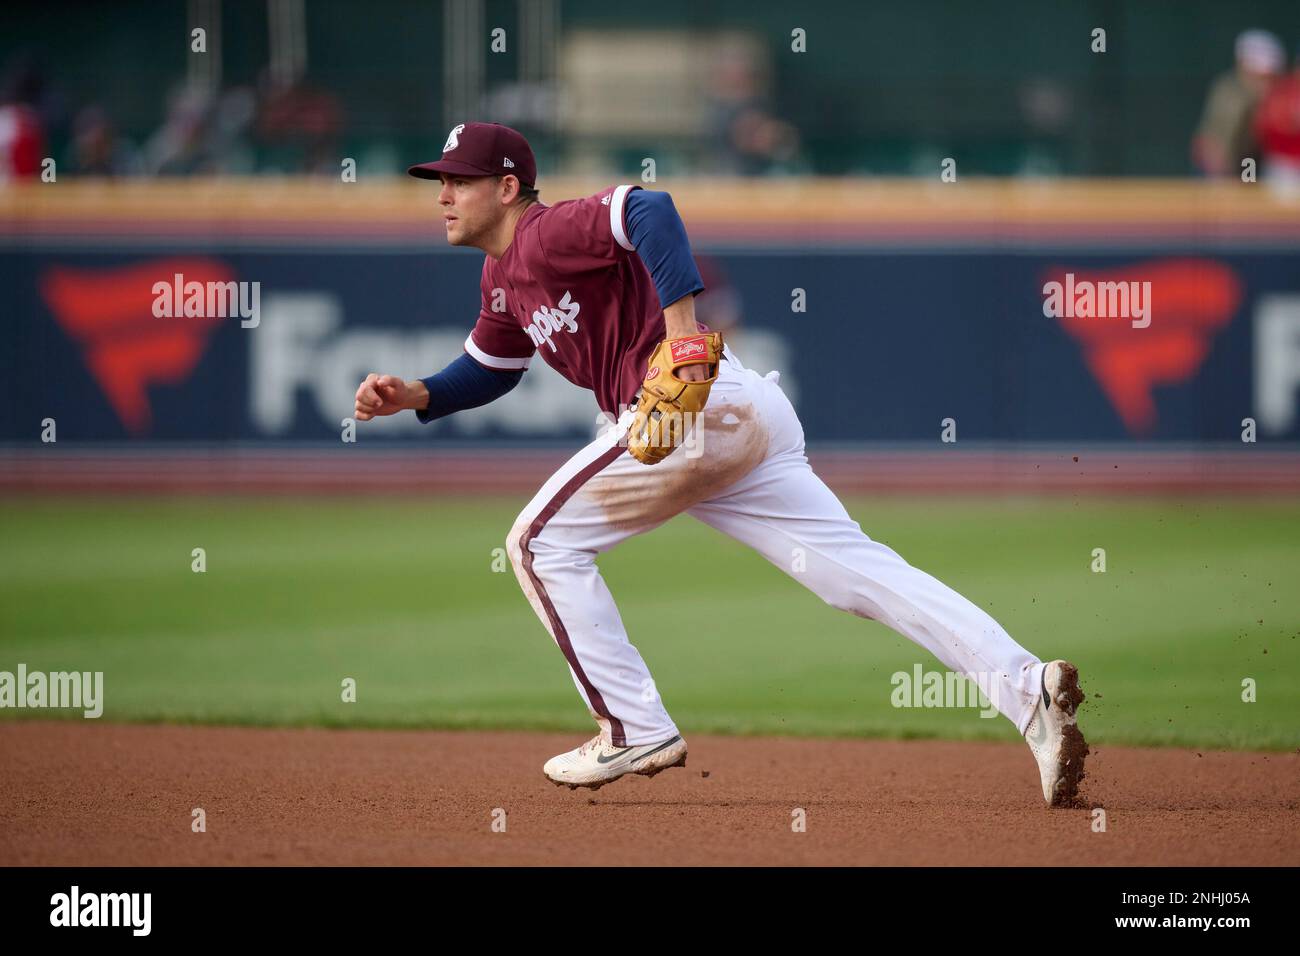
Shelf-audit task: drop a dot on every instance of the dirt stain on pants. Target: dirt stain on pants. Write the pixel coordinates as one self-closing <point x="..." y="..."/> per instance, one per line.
<point x="732" y="440"/>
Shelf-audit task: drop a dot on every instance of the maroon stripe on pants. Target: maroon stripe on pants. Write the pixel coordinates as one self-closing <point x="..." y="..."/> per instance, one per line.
<point x="618" y="738"/>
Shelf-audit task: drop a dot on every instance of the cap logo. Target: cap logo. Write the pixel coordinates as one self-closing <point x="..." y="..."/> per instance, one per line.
<point x="453" y="140"/>
<point x="507" y="163"/>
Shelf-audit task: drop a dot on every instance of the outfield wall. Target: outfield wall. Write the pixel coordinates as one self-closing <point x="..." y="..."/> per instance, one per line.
<point x="888" y="307"/>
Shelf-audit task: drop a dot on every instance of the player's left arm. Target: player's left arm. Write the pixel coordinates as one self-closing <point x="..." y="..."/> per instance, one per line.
<point x="655" y="230"/>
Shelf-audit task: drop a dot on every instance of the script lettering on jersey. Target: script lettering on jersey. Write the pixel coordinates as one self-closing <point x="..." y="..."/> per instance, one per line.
<point x="548" y="320"/>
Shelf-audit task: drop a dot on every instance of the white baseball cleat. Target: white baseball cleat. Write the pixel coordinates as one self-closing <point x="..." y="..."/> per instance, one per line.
<point x="597" y="762"/>
<point x="1054" y="737"/>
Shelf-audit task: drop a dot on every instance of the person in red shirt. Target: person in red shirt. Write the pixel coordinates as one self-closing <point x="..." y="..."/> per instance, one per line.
<point x="1277" y="127"/>
<point x="22" y="142"/>
<point x="22" y="132"/>
<point x="593" y="285"/>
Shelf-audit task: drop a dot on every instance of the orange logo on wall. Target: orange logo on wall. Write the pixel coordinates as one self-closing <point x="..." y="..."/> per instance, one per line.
<point x="1190" y="300"/>
<point x="110" y="314"/>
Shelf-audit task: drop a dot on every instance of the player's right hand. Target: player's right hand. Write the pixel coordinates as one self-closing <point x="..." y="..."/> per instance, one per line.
<point x="381" y="395"/>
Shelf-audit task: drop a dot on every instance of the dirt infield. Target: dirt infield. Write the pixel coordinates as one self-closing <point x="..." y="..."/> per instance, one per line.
<point x="102" y="794"/>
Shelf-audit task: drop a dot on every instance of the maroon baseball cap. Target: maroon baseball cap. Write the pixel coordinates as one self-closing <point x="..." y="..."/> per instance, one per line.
<point x="483" y="149"/>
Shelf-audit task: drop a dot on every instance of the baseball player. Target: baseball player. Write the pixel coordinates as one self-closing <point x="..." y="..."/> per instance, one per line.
<point x="603" y="289"/>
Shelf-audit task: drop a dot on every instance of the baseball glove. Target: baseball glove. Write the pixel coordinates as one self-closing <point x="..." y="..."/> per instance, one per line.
<point x="665" y="405"/>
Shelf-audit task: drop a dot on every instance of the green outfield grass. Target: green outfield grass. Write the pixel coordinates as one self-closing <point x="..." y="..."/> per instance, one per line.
<point x="402" y="596"/>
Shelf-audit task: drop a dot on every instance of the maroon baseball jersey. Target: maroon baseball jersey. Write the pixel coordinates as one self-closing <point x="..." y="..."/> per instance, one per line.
<point x="572" y="287"/>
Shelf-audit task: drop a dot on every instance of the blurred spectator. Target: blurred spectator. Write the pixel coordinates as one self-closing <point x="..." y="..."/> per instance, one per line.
<point x="230" y="132"/>
<point x="22" y="132"/>
<point x="203" y="134"/>
<point x="1225" y="136"/>
<point x="750" y="139"/>
<point x="1277" y="125"/>
<point x="300" y="125"/>
<point x="1047" y="111"/>
<point x="180" y="147"/>
<point x="98" y="150"/>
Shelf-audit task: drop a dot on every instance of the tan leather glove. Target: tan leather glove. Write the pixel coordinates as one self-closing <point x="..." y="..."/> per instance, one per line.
<point x="666" y="406"/>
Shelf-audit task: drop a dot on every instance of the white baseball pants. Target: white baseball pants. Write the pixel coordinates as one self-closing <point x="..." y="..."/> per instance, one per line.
<point x="743" y="471"/>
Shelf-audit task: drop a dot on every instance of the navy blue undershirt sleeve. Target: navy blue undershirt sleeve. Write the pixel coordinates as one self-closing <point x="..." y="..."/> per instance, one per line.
<point x="657" y="232"/>
<point x="465" y="384"/>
